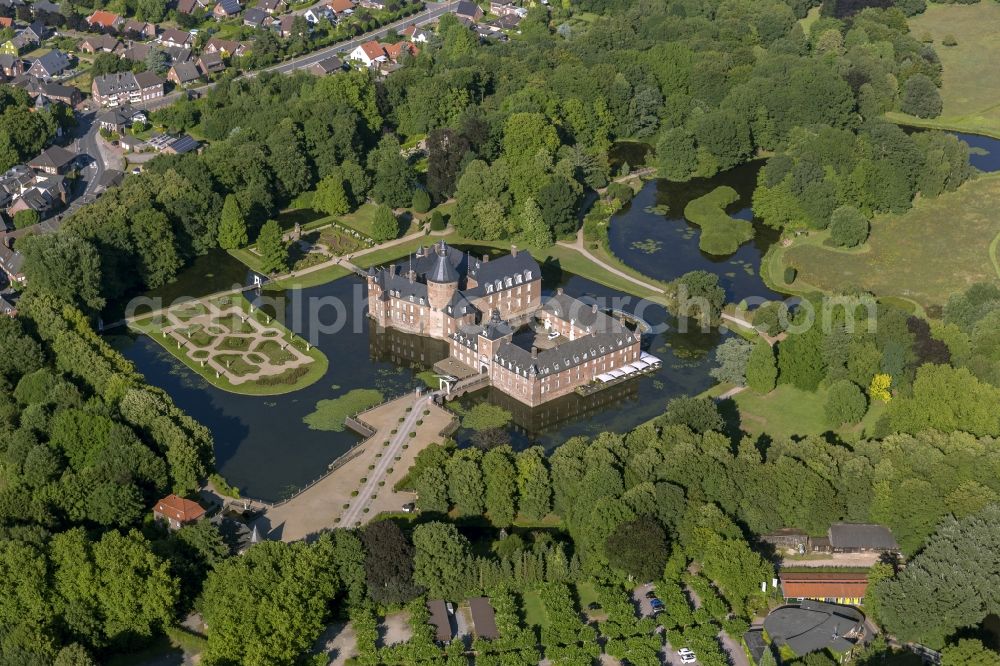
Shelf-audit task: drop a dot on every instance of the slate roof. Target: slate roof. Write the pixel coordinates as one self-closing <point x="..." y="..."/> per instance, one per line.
<point x="230" y="7"/>
<point x="137" y="52"/>
<point x="176" y="36"/>
<point x="186" y="72"/>
<point x="52" y="63"/>
<point x="860" y="535"/>
<point x="468" y="9"/>
<point x="148" y="79"/>
<point x="484" y="618"/>
<point x="499" y="269"/>
<point x="329" y="65"/>
<point x="46" y="6"/>
<point x="255" y="17"/>
<point x="443" y="271"/>
<point x="813" y="625"/>
<point x="439" y="620"/>
<point x="53" y="157"/>
<point x="119" y="115"/>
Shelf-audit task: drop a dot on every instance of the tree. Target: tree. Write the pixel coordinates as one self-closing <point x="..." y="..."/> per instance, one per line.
<point x="272" y="249"/>
<point x="441" y="559"/>
<point x="921" y="97"/>
<point x="969" y="652"/>
<point x="392" y="175"/>
<point x="848" y="227"/>
<point x="156" y="61"/>
<point x="385" y="226"/>
<point x="845" y="403"/>
<point x="232" y="225"/>
<point x="445" y="151"/>
<point x="762" y="372"/>
<point x="421" y="201"/>
<point x="732" y="358"/>
<point x="269" y="605"/>
<point x="533" y="485"/>
<point x="699" y="414"/>
<point x="697" y="294"/>
<point x="533" y="228"/>
<point x="25" y="218"/>
<point x="800" y="359"/>
<point x="465" y="482"/>
<point x="557" y="202"/>
<point x="638" y="548"/>
<point x="500" y="477"/>
<point x="676" y="155"/>
<point x="331" y="197"/>
<point x="943" y="400"/>
<point x="156" y="247"/>
<point x="20" y="354"/>
<point x="64" y="266"/>
<point x="879" y="387"/>
<point x="388" y="563"/>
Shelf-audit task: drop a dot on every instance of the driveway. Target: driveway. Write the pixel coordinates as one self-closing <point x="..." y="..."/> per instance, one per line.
<point x="339" y="643"/>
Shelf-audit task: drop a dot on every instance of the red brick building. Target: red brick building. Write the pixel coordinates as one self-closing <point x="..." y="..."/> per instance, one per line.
<point x="177" y="511"/>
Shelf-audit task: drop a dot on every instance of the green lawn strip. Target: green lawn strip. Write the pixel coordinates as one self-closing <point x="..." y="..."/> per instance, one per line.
<point x="587" y="594"/>
<point x="311" y="279"/>
<point x="902" y="262"/>
<point x="534" y="612"/>
<point x="970" y="89"/>
<point x="784" y="412"/>
<point x="361" y="220"/>
<point x="720" y="234"/>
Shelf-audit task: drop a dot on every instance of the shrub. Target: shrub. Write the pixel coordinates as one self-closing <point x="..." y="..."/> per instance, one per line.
<point x="421" y="201"/>
<point x="437" y="221"/>
<point x="845" y="403"/>
<point x="385" y="226"/>
<point x="949" y="40"/>
<point x="790" y="275"/>
<point x="620" y="191"/>
<point x="848" y="227"/>
<point x="921" y="97"/>
<point x="25" y="218"/>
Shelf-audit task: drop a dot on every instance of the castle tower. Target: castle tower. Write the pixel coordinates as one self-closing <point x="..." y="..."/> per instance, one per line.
<point x="442" y="280"/>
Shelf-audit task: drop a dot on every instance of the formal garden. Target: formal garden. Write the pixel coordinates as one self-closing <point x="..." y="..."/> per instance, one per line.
<point x="235" y="346"/>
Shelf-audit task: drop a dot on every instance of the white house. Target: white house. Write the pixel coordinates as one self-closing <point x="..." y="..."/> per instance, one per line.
<point x="369" y="54"/>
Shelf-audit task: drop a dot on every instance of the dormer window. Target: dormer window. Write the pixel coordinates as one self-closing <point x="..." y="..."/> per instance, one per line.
<point x="498" y="285"/>
<point x="518" y="279"/>
<point x="508" y="282"/>
<point x="489" y="289"/>
<point x="527" y="275"/>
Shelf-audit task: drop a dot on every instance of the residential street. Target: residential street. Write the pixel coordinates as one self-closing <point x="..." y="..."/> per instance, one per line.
<point x="433" y="12"/>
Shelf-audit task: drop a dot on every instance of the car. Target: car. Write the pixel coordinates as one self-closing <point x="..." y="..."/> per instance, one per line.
<point x="651" y="594"/>
<point x="655" y="603"/>
<point x="553" y="335"/>
<point x="409" y="507"/>
<point x="687" y="656"/>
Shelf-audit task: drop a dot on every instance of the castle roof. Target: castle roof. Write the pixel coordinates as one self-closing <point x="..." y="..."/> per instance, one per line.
<point x="443" y="271"/>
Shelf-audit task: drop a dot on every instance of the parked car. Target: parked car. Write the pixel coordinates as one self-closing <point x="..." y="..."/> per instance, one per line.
<point x="553" y="335"/>
<point x="409" y="507"/>
<point x="651" y="594"/>
<point x="687" y="656"/>
<point x="655" y="603"/>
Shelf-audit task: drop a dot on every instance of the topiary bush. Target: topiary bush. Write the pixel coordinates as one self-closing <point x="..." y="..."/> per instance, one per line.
<point x="790" y="275"/>
<point x="438" y="222"/>
<point x="848" y="227"/>
<point x="845" y="403"/>
<point x="421" y="201"/>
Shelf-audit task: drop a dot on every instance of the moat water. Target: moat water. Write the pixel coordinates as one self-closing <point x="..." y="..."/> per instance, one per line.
<point x="264" y="447"/>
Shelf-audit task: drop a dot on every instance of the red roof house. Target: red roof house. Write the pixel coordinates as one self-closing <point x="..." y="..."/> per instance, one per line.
<point x="837" y="587"/>
<point x="177" y="511"/>
<point x="104" y="19"/>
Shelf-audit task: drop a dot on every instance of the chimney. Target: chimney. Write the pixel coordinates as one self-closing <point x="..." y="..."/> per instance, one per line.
<point x="412" y="275"/>
<point x="534" y="353"/>
<point x="513" y="250"/>
<point x="593" y="308"/>
<point x="486" y="258"/>
<point x="559" y="291"/>
<point x="392" y="269"/>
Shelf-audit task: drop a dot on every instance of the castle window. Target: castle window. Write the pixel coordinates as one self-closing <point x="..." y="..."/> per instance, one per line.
<point x="489" y="289"/>
<point x="498" y="285"/>
<point x="508" y="282"/>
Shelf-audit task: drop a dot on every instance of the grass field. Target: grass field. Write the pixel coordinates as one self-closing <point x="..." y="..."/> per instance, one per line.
<point x="939" y="247"/>
<point x="788" y="412"/>
<point x="970" y="87"/>
<point x="534" y="612"/>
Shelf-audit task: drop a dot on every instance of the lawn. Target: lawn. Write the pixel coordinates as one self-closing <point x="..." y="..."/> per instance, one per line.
<point x="534" y="612"/>
<point x="362" y="219"/>
<point x="971" y="88"/>
<point x="903" y="257"/>
<point x="788" y="411"/>
<point x="720" y="234"/>
<point x="330" y="414"/>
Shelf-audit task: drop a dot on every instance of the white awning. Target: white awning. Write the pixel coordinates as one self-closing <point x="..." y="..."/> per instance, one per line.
<point x="640" y="365"/>
<point x="604" y="378"/>
<point x="615" y="374"/>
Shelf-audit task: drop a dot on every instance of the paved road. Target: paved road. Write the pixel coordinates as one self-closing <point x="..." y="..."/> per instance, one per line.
<point x="433" y="12"/>
<point x="354" y="512"/>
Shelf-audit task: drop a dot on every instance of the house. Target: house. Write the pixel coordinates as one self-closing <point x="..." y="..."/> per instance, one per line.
<point x="11" y="65"/>
<point x="469" y="11"/>
<point x="272" y="6"/>
<point x="224" y="47"/>
<point x="139" y="30"/>
<point x="787" y="538"/>
<point x="395" y="51"/>
<point x="183" y="73"/>
<point x="6" y="22"/>
<point x="176" y="38"/>
<point x="68" y="95"/>
<point x="45" y="6"/>
<point x="11" y="261"/>
<point x="38" y="31"/>
<point x="508" y="22"/>
<point x="103" y="19"/>
<point x="211" y="63"/>
<point x="50" y="65"/>
<point x="10" y="47"/>
<point x="177" y="511"/>
<point x="53" y="160"/>
<point x="415" y="34"/>
<point x="131" y="144"/>
<point x="506" y="8"/>
<point x="113" y="177"/>
<point x="440" y="619"/>
<point x="286" y="26"/>
<point x="832" y="587"/>
<point x="95" y="43"/>
<point x="118" y="118"/>
<point x="369" y="53"/>
<point x="258" y="18"/>
<point x="137" y="52"/>
<point x="22" y="41"/>
<point x="341" y="6"/>
<point x="484" y="619"/>
<point x="126" y="88"/>
<point x="330" y="65"/>
<point x="226" y="8"/>
<point x="861" y="538"/>
<point x="316" y="14"/>
<point x="7" y="306"/>
<point x="191" y="6"/>
<point x="177" y="53"/>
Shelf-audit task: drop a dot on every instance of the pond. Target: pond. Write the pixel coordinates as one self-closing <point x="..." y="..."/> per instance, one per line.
<point x="263" y="446"/>
<point x="664" y="245"/>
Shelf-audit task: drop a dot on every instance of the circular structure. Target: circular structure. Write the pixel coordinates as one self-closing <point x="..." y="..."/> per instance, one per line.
<point x="811" y="626"/>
